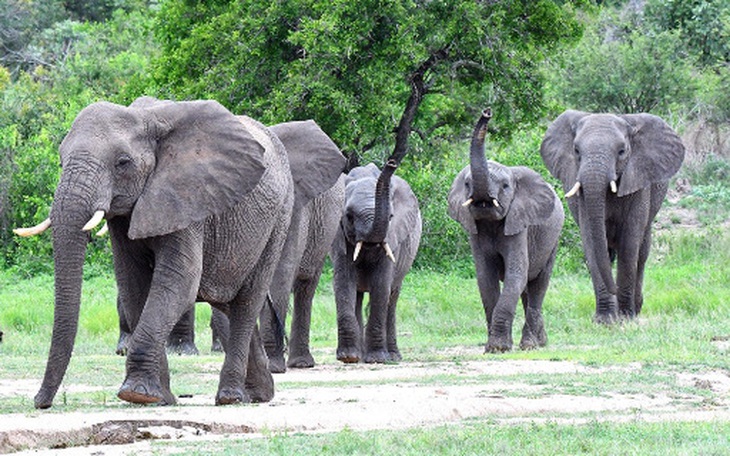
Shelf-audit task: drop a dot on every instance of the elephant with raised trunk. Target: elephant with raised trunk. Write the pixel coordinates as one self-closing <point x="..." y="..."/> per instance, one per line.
<point x="198" y="203"/>
<point x="373" y="251"/>
<point x="513" y="219"/>
<point x="615" y="170"/>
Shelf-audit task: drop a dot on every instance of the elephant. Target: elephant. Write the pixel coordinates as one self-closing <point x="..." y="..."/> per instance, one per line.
<point x="513" y="219"/>
<point x="198" y="202"/>
<point x="311" y="231"/>
<point x="372" y="252"/>
<point x="615" y="172"/>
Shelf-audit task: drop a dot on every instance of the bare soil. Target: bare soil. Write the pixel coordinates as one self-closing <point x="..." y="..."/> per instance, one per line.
<point x="332" y="397"/>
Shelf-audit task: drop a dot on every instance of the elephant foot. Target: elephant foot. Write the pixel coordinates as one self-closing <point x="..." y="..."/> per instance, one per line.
<point x="394" y="356"/>
<point x="145" y="393"/>
<point x="348" y="355"/>
<point x="605" y="318"/>
<point x="44" y="399"/>
<point x="182" y="348"/>
<point x="123" y="344"/>
<point x="277" y="364"/>
<point x="304" y="361"/>
<point x="263" y="391"/>
<point x="531" y="343"/>
<point x="377" y="356"/>
<point x="216" y="346"/>
<point x="498" y="346"/>
<point x="228" y="396"/>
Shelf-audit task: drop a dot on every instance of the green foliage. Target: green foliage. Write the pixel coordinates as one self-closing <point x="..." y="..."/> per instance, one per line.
<point x="625" y="71"/>
<point x="346" y="64"/>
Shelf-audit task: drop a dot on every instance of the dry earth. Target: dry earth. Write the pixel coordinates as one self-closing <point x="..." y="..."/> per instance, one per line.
<point x="333" y="397"/>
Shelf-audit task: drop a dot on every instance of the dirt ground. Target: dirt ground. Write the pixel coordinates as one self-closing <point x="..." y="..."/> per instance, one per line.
<point x="333" y="397"/>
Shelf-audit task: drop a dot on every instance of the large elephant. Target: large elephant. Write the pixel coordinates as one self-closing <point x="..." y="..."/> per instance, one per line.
<point x="513" y="219"/>
<point x="615" y="171"/>
<point x="313" y="226"/>
<point x="372" y="252"/>
<point x="198" y="204"/>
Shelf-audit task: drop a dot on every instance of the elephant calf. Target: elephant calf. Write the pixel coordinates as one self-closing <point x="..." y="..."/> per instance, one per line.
<point x="372" y="252"/>
<point x="513" y="218"/>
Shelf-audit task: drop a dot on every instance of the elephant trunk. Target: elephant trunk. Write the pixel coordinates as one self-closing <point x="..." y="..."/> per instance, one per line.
<point x="69" y="243"/>
<point x="593" y="228"/>
<point x="70" y="215"/>
<point x="381" y="213"/>
<point x="478" y="160"/>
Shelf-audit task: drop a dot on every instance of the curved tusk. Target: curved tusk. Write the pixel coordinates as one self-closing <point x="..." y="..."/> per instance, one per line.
<point x="104" y="229"/>
<point x="495" y="202"/>
<point x="614" y="189"/>
<point x="467" y="202"/>
<point x="388" y="252"/>
<point x="358" y="246"/>
<point x="94" y="221"/>
<point x="32" y="231"/>
<point x="573" y="190"/>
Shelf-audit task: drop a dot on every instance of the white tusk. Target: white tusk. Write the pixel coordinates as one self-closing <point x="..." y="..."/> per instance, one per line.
<point x="467" y="202"/>
<point x="38" y="229"/>
<point x="495" y="202"/>
<point x="573" y="190"/>
<point x="613" y="186"/>
<point x="104" y="229"/>
<point x="358" y="246"/>
<point x="388" y="252"/>
<point x="95" y="220"/>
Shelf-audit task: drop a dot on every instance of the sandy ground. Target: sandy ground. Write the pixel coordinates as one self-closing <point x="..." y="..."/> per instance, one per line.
<point x="333" y="397"/>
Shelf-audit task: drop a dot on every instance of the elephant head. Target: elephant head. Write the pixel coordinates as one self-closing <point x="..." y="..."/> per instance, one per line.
<point x="490" y="191"/>
<point x="368" y="207"/>
<point x="602" y="156"/>
<point x="163" y="166"/>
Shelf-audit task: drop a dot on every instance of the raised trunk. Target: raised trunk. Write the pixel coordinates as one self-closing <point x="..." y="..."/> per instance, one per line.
<point x="69" y="244"/>
<point x="478" y="159"/>
<point x="381" y="213"/>
<point x="595" y="228"/>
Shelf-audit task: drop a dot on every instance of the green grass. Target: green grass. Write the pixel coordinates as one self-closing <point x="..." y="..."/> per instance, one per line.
<point x="485" y="438"/>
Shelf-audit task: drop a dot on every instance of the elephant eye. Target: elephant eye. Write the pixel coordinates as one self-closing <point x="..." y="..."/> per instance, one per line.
<point x="122" y="161"/>
<point x="621" y="152"/>
<point x="577" y="152"/>
<point x="505" y="186"/>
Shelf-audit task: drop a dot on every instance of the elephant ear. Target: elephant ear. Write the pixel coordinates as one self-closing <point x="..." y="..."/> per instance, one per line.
<point x="557" y="149"/>
<point x="314" y="159"/>
<point x="457" y="195"/>
<point x="533" y="202"/>
<point x="657" y="153"/>
<point x="206" y="162"/>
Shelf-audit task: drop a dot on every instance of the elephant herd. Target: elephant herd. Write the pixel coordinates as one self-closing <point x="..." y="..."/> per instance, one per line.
<point x="204" y="205"/>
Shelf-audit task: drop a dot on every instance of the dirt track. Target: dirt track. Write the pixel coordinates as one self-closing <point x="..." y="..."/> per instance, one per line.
<point x="332" y="397"/>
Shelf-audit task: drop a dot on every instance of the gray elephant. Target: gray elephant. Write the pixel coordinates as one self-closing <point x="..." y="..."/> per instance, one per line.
<point x="198" y="204"/>
<point x="314" y="222"/>
<point x="615" y="171"/>
<point x="373" y="250"/>
<point x="513" y="219"/>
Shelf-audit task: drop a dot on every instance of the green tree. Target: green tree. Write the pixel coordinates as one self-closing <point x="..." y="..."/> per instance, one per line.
<point x="351" y="65"/>
<point x="621" y="67"/>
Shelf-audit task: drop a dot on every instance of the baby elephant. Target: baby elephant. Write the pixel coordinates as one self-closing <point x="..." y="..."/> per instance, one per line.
<point x="514" y="219"/>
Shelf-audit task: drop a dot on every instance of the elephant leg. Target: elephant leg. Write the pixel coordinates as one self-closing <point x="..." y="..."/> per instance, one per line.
<point x="627" y="269"/>
<point x="391" y="334"/>
<point x="349" y="317"/>
<point x="643" y="256"/>
<point x="606" y="303"/>
<point x="299" y="353"/>
<point x="124" y="331"/>
<point x="259" y="382"/>
<point x="376" y="349"/>
<point x="181" y="340"/>
<point x="174" y="286"/>
<point x="488" y="283"/>
<point x="219" y="329"/>
<point x="533" y="332"/>
<point x="273" y="328"/>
